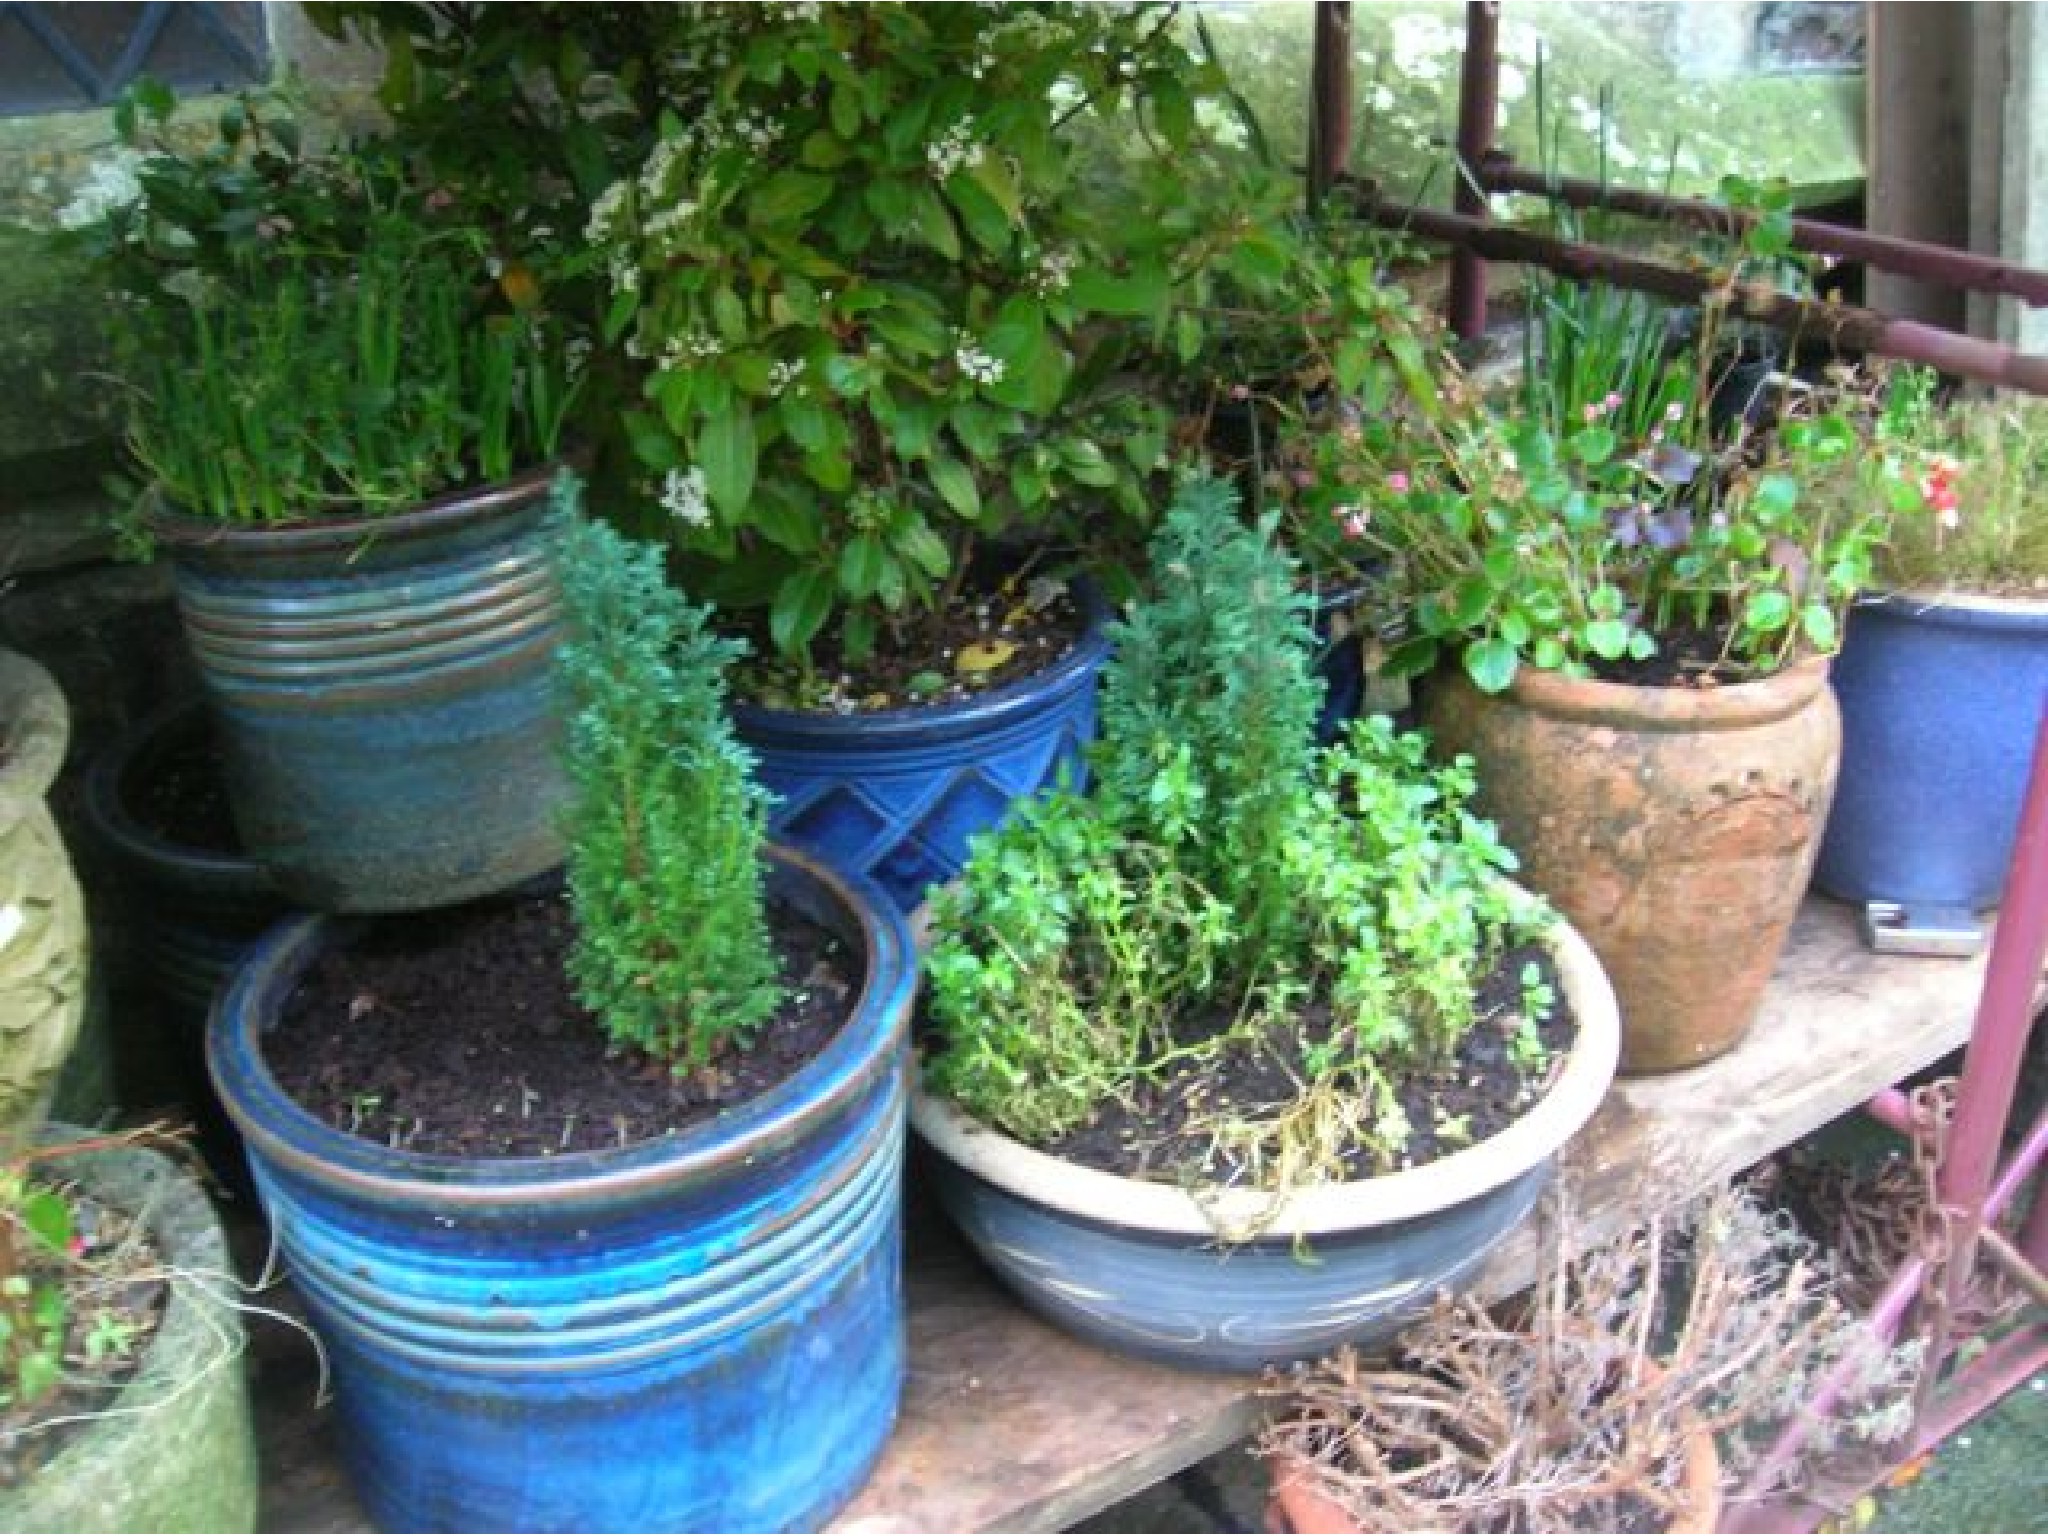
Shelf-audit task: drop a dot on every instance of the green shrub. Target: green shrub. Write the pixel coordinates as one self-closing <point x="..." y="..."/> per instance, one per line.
<point x="666" y="828"/>
<point x="1224" y="877"/>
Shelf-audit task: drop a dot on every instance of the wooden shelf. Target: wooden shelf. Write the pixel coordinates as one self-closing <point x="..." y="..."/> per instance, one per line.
<point x="1009" y="1425"/>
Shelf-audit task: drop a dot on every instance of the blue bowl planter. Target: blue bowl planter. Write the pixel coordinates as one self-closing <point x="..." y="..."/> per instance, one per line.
<point x="384" y="694"/>
<point x="202" y="909"/>
<point x="700" y="1333"/>
<point x="894" y="795"/>
<point x="1233" y="1279"/>
<point x="1940" y="696"/>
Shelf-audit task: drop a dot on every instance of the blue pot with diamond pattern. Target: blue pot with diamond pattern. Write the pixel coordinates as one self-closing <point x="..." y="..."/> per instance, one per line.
<point x="894" y="795"/>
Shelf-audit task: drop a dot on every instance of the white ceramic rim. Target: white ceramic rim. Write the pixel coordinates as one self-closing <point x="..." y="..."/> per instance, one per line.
<point x="1324" y="1209"/>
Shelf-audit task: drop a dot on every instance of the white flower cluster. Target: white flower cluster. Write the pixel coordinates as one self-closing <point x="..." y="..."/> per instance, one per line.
<point x="686" y="497"/>
<point x="691" y="346"/>
<point x="974" y="363"/>
<point x="1055" y="271"/>
<point x="803" y="10"/>
<point x="783" y="373"/>
<point x="956" y="149"/>
<point x="113" y="183"/>
<point x="1421" y="44"/>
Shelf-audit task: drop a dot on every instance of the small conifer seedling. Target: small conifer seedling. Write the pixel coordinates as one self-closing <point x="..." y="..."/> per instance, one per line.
<point x="666" y="822"/>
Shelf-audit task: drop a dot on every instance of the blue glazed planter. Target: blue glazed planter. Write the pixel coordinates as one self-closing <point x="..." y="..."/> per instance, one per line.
<point x="701" y="1333"/>
<point x="384" y="694"/>
<point x="895" y="795"/>
<point x="202" y="909"/>
<point x="1233" y="1280"/>
<point x="1940" y="698"/>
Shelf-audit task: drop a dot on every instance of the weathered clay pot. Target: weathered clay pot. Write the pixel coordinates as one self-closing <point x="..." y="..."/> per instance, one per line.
<point x="42" y="915"/>
<point x="1675" y="827"/>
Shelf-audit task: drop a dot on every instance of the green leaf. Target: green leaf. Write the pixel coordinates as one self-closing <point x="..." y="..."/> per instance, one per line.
<point x="857" y="635"/>
<point x="728" y="314"/>
<point x="1767" y="612"/>
<point x="917" y="543"/>
<point x="933" y="224"/>
<point x="1140" y="295"/>
<point x="802" y="604"/>
<point x="1776" y="496"/>
<point x="846" y="113"/>
<point x="889" y="200"/>
<point x="1818" y="621"/>
<point x="955" y="485"/>
<point x="1491" y="664"/>
<point x="624" y="306"/>
<point x="785" y="517"/>
<point x="48" y="1215"/>
<point x="1087" y="463"/>
<point x="985" y="221"/>
<point x="727" y="453"/>
<point x="806" y="421"/>
<point x="1606" y="638"/>
<point x="652" y="444"/>
<point x="1594" y="445"/>
<point x="1548" y="654"/>
<point x="788" y="196"/>
<point x="860" y="565"/>
<point x="993" y="176"/>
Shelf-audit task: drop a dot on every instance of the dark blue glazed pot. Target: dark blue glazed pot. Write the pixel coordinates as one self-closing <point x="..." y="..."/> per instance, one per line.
<point x="384" y="692"/>
<point x="895" y="795"/>
<point x="700" y="1333"/>
<point x="1940" y="697"/>
<point x="1236" y="1280"/>
<point x="201" y="909"/>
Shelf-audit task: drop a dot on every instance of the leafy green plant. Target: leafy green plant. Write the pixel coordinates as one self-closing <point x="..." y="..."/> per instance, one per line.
<point x="666" y="828"/>
<point x="882" y="314"/>
<point x="1223" y="874"/>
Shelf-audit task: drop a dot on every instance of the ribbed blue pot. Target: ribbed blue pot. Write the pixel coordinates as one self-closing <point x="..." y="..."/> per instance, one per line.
<point x="384" y="694"/>
<point x="201" y="910"/>
<point x="895" y="795"/>
<point x="701" y="1333"/>
<point x="1940" y="697"/>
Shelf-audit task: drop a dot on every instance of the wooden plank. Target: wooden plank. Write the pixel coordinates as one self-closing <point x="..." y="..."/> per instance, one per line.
<point x="1009" y="1425"/>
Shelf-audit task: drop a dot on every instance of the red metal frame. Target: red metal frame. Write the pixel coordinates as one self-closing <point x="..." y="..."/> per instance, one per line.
<point x="1973" y="1185"/>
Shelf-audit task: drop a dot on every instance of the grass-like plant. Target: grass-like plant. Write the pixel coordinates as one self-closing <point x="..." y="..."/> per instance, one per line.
<point x="318" y="390"/>
<point x="667" y="824"/>
<point x="1223" y="876"/>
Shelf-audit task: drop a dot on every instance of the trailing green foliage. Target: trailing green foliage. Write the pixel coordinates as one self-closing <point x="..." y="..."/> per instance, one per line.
<point x="1224" y="876"/>
<point x="665" y="864"/>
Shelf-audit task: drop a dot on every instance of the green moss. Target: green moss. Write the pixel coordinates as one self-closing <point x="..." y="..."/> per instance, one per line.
<point x="51" y="348"/>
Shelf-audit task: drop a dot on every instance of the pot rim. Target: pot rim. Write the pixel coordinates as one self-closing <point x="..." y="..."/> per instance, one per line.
<point x="288" y="1136"/>
<point x="1324" y="1209"/>
<point x="107" y="806"/>
<point x="767" y="726"/>
<point x="1732" y="706"/>
<point x="187" y="531"/>
<point x="1954" y="600"/>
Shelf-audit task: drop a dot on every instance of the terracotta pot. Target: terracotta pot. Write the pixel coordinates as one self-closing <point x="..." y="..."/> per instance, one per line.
<point x="1675" y="827"/>
<point x="1298" y="1505"/>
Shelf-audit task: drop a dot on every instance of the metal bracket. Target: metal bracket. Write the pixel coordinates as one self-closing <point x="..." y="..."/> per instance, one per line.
<point x="1899" y="928"/>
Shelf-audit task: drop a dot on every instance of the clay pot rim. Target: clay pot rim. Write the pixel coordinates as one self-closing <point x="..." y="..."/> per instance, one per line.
<point x="1323" y="1209"/>
<point x="1730" y="707"/>
<point x="1303" y="1508"/>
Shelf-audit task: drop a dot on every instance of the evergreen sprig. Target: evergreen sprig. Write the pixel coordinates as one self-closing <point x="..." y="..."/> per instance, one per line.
<point x="667" y="824"/>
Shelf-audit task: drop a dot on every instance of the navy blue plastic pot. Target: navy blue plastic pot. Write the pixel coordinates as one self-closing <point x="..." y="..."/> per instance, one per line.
<point x="384" y="692"/>
<point x="700" y="1333"/>
<point x="895" y="795"/>
<point x="1940" y="697"/>
<point x="201" y="909"/>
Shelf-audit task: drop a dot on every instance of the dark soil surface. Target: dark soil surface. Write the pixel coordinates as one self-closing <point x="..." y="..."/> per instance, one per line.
<point x="1158" y="1134"/>
<point x="458" y="1032"/>
<point x="987" y="636"/>
<point x="112" y="1292"/>
<point x="1686" y="658"/>
<point x="182" y="796"/>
